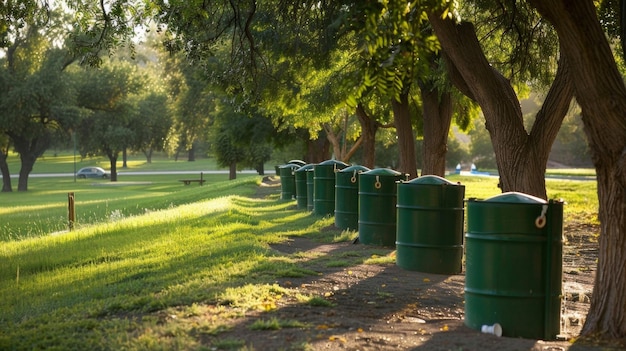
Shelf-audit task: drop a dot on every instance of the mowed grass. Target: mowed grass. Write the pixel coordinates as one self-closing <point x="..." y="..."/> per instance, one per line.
<point x="150" y="255"/>
<point x="90" y="288"/>
<point x="43" y="209"/>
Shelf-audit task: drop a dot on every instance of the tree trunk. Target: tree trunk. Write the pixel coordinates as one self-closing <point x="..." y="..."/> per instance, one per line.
<point x="148" y="154"/>
<point x="437" y="118"/>
<point x="601" y="93"/>
<point x="232" y="171"/>
<point x="28" y="161"/>
<point x="521" y="156"/>
<point x="369" y="127"/>
<point x="317" y="150"/>
<point x="113" y="162"/>
<point x="260" y="168"/>
<point x="333" y="139"/>
<point x="29" y="150"/>
<point x="124" y="158"/>
<point x="406" y="139"/>
<point x="192" y="153"/>
<point x="6" y="174"/>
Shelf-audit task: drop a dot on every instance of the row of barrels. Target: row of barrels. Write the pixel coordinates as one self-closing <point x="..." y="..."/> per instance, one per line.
<point x="513" y="249"/>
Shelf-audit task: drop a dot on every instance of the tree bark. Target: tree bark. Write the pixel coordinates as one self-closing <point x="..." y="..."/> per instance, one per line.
<point x="521" y="157"/>
<point x="148" y="153"/>
<point x="369" y="127"/>
<point x="406" y="139"/>
<point x="113" y="163"/>
<point x="124" y="158"/>
<point x="6" y="174"/>
<point x="333" y="139"/>
<point x="232" y="171"/>
<point x="191" y="156"/>
<point x="317" y="150"/>
<point x="601" y="93"/>
<point x="437" y="118"/>
<point x="29" y="150"/>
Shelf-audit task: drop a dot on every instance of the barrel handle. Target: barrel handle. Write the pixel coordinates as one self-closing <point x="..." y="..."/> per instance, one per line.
<point x="353" y="179"/>
<point x="377" y="185"/>
<point x="540" y="222"/>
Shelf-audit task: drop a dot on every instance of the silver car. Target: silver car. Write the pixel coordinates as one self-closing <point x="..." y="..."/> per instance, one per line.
<point x="92" y="172"/>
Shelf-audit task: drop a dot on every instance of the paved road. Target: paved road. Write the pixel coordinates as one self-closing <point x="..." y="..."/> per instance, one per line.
<point x="131" y="173"/>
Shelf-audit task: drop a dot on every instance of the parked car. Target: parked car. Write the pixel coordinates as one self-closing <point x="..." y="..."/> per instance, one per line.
<point x="92" y="172"/>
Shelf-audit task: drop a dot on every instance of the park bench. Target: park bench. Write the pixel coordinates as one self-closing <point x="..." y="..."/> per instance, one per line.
<point x="189" y="181"/>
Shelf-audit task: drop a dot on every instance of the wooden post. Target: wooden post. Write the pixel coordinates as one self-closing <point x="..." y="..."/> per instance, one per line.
<point x="201" y="181"/>
<point x="71" y="211"/>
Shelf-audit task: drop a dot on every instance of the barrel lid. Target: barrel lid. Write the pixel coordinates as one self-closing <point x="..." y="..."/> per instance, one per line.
<point x="382" y="172"/>
<point x="357" y="168"/>
<point x="289" y="165"/>
<point x="333" y="162"/>
<point x="306" y="167"/>
<point x="516" y="197"/>
<point x="431" y="180"/>
<point x="297" y="162"/>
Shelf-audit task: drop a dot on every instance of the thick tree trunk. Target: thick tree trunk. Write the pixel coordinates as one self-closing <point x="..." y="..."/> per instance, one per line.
<point x="232" y="171"/>
<point x="6" y="174"/>
<point x="29" y="150"/>
<point x="437" y="118"/>
<point x="521" y="156"/>
<point x="28" y="161"/>
<point x="406" y="139"/>
<point x="601" y="93"/>
<point x="369" y="127"/>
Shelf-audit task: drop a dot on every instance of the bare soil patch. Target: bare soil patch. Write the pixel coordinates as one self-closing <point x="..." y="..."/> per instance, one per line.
<point x="383" y="307"/>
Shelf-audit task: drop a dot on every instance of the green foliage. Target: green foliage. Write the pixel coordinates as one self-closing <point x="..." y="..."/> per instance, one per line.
<point x="515" y="39"/>
<point x="108" y="93"/>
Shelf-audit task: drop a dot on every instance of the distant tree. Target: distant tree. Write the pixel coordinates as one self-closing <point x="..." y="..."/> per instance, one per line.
<point x="107" y="93"/>
<point x="36" y="100"/>
<point x="152" y="123"/>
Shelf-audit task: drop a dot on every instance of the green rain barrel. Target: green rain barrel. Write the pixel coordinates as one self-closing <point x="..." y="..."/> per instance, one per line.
<point x="429" y="233"/>
<point x="324" y="186"/>
<point x="377" y="206"/>
<point x="288" y="181"/>
<point x="301" y="186"/>
<point x="347" y="197"/>
<point x="310" y="194"/>
<point x="514" y="251"/>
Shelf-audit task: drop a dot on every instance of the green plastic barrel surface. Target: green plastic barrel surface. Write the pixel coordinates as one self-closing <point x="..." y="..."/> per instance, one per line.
<point x="301" y="186"/>
<point x="324" y="186"/>
<point x="514" y="251"/>
<point x="429" y="234"/>
<point x="288" y="181"/>
<point x="310" y="194"/>
<point x="347" y="197"/>
<point x="377" y="206"/>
